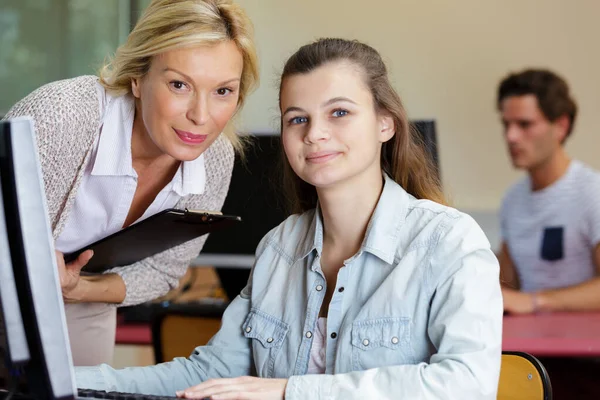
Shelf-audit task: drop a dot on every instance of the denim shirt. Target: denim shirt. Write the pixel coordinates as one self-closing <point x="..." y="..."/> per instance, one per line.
<point x="415" y="314"/>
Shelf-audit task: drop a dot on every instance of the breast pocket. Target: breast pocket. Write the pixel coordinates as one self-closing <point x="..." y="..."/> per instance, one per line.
<point x="381" y="342"/>
<point x="553" y="244"/>
<point x="267" y="334"/>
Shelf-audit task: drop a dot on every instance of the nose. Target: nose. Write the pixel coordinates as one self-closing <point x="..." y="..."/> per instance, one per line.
<point x="512" y="133"/>
<point x="198" y="110"/>
<point x="316" y="132"/>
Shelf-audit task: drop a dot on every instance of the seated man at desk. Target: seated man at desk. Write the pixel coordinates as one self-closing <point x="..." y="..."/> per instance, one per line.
<point x="550" y="220"/>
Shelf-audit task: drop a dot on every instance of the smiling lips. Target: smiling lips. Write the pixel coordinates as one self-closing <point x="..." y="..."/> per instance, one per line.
<point x="320" y="157"/>
<point x="190" y="138"/>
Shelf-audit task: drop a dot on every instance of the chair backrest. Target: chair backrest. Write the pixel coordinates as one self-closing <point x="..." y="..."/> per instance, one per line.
<point x="523" y="377"/>
<point x="178" y="329"/>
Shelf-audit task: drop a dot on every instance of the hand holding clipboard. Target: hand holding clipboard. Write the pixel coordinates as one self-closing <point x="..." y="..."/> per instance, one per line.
<point x="155" y="234"/>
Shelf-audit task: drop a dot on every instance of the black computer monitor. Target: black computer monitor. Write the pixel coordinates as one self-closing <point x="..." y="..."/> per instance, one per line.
<point x="428" y="134"/>
<point x="255" y="195"/>
<point x="43" y="354"/>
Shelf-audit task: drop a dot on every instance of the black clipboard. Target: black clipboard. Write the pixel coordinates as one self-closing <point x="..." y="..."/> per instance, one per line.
<point x="157" y="233"/>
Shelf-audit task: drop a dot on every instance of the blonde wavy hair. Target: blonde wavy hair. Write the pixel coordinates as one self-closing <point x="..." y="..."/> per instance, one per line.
<point x="171" y="24"/>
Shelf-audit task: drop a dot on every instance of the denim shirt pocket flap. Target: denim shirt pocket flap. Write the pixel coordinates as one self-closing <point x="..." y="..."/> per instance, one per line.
<point x="392" y="333"/>
<point x="265" y="328"/>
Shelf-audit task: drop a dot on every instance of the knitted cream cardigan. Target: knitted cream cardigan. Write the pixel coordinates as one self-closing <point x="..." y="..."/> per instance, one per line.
<point x="67" y="119"/>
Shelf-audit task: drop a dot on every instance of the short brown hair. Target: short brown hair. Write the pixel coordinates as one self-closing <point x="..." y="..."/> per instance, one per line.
<point x="550" y="90"/>
<point x="403" y="157"/>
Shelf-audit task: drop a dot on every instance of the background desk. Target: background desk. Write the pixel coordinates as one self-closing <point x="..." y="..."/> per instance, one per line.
<point x="559" y="334"/>
<point x="555" y="334"/>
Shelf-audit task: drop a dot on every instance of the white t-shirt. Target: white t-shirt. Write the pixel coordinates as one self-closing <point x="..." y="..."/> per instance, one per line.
<point x="109" y="181"/>
<point x="551" y="233"/>
<point x="317" y="360"/>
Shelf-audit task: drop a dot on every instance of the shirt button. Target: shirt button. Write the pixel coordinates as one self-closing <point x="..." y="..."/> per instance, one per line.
<point x="341" y="289"/>
<point x="270" y="340"/>
<point x="395" y="340"/>
<point x="366" y="342"/>
<point x="319" y="288"/>
<point x="309" y="334"/>
<point x="333" y="335"/>
<point x="248" y="329"/>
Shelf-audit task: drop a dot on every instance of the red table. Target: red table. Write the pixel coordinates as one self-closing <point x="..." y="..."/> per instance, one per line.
<point x="133" y="334"/>
<point x="558" y="334"/>
<point x="553" y="334"/>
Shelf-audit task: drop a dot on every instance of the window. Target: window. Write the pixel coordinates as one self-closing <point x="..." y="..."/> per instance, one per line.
<point x="48" y="40"/>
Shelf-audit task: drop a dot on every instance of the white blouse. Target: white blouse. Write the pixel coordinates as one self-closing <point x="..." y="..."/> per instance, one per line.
<point x="109" y="181"/>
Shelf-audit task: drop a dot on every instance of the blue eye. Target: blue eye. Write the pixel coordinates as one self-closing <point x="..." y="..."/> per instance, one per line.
<point x="297" y="120"/>
<point x="339" y="113"/>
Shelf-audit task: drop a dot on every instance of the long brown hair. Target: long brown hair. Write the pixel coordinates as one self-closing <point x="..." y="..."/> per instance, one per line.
<point x="403" y="157"/>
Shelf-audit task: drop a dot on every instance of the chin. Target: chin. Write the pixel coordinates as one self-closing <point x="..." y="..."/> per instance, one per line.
<point x="520" y="163"/>
<point x="186" y="154"/>
<point x="322" y="180"/>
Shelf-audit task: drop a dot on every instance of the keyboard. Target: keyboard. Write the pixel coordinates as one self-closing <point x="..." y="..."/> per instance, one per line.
<point x="101" y="394"/>
<point x="87" y="394"/>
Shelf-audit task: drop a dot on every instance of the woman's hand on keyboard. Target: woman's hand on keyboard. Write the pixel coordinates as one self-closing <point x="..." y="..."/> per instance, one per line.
<point x="242" y="388"/>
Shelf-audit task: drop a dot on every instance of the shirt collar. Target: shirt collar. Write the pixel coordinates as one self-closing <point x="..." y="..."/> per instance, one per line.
<point x="113" y="157"/>
<point x="382" y="231"/>
<point x="190" y="177"/>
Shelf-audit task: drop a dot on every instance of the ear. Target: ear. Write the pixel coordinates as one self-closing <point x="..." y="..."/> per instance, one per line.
<point x="387" y="128"/>
<point x="561" y="127"/>
<point x="135" y="87"/>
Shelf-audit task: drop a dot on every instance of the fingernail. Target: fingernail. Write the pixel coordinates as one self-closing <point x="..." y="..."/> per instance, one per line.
<point x="179" y="393"/>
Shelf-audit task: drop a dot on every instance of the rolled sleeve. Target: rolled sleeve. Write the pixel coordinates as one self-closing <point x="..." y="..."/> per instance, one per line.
<point x="226" y="355"/>
<point x="155" y="276"/>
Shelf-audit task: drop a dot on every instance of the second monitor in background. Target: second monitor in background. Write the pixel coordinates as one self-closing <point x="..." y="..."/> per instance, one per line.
<point x="255" y="195"/>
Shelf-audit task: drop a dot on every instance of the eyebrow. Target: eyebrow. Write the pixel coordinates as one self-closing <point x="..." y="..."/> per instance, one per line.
<point x="166" y="69"/>
<point x="327" y="103"/>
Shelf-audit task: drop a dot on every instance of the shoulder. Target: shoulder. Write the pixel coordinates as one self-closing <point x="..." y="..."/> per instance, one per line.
<point x="63" y="108"/>
<point x="586" y="177"/>
<point x="73" y="95"/>
<point x="516" y="191"/>
<point x="453" y="240"/>
<point x="219" y="159"/>
<point x="291" y="236"/>
<point x="445" y="223"/>
<point x="586" y="184"/>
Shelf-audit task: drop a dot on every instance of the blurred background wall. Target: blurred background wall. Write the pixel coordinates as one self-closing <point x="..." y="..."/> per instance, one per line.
<point x="445" y="58"/>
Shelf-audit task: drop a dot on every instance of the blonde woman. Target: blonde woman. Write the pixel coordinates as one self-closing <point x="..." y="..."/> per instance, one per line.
<point x="152" y="132"/>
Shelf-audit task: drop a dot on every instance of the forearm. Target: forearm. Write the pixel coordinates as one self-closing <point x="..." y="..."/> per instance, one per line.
<point x="582" y="297"/>
<point x="445" y="380"/>
<point x="107" y="288"/>
<point x="162" y="379"/>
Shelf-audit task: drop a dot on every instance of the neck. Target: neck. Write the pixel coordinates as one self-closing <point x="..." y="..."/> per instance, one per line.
<point x="549" y="171"/>
<point x="347" y="209"/>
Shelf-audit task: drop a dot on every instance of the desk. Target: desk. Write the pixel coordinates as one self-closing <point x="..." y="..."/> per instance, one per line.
<point x="140" y="334"/>
<point x="553" y="334"/>
<point x="558" y="334"/>
<point x="208" y="260"/>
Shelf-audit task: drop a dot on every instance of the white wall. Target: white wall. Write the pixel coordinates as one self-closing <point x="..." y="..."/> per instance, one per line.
<point x="446" y="59"/>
